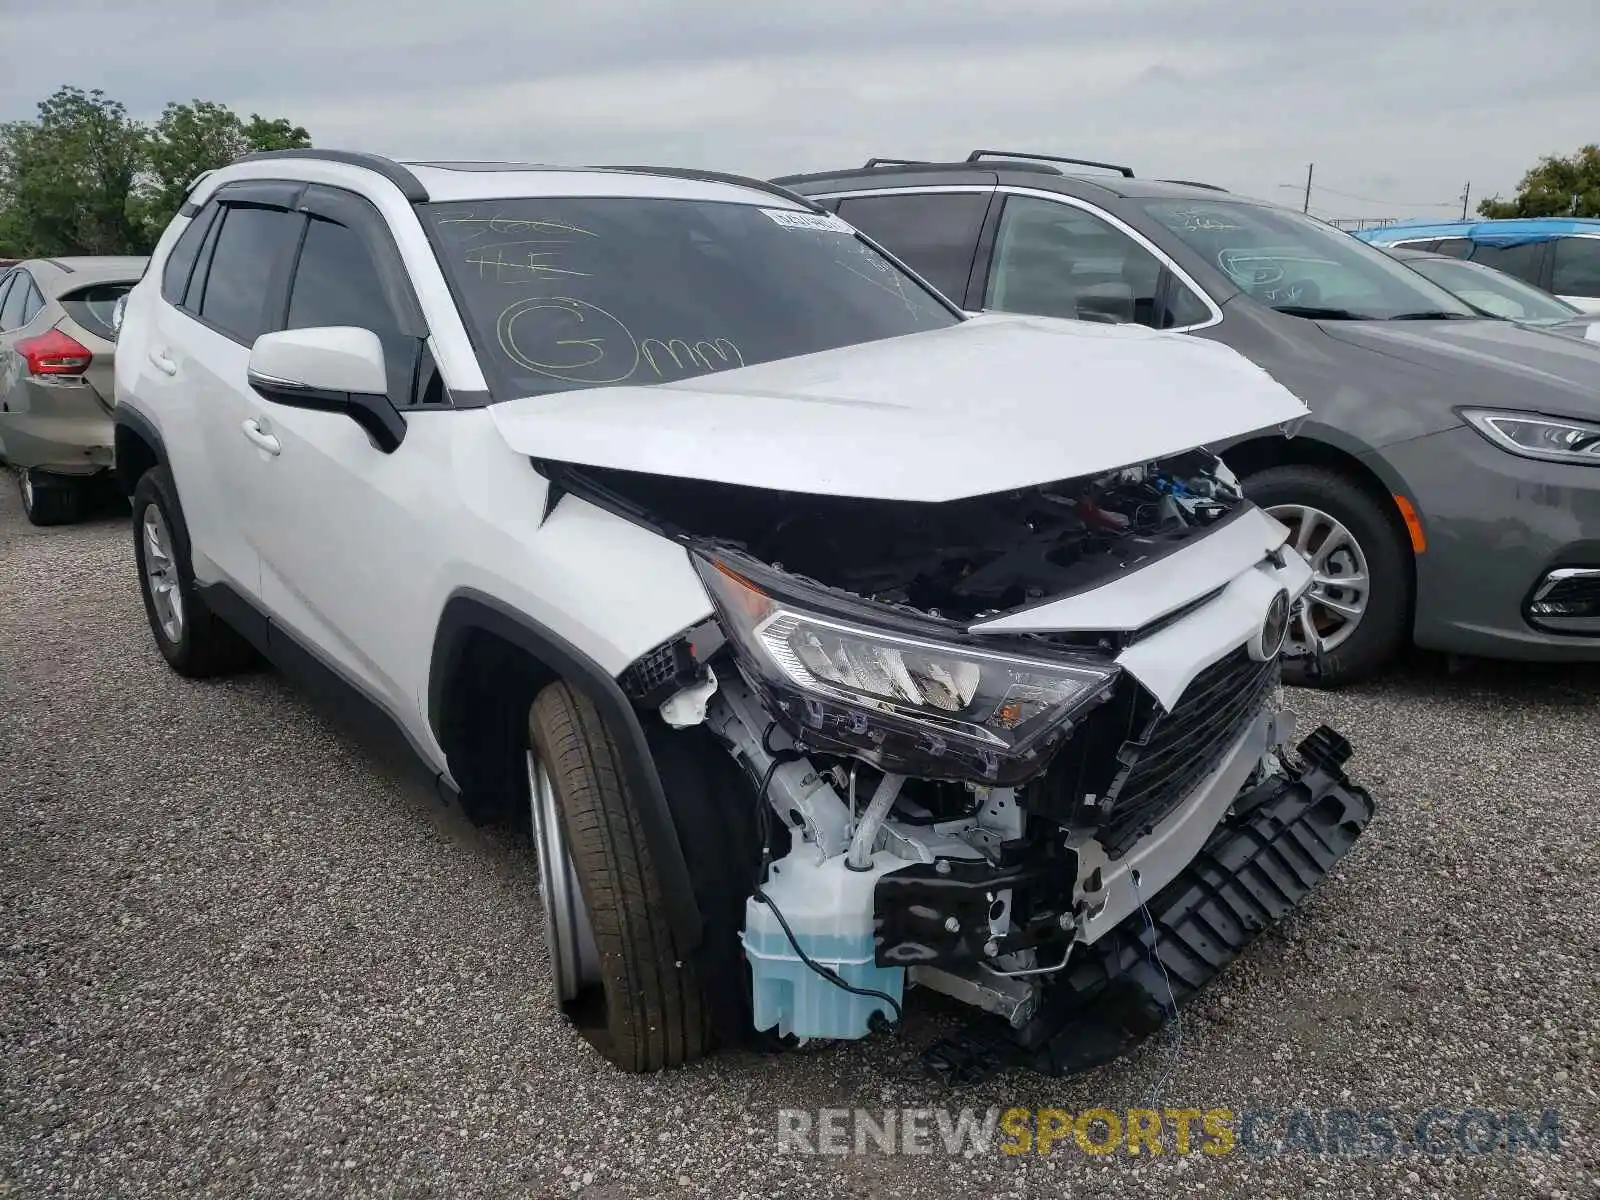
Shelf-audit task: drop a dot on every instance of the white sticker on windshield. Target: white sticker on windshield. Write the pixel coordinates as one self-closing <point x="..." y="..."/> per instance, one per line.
<point x="822" y="222"/>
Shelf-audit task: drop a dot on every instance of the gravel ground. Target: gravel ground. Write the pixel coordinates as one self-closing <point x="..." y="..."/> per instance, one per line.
<point x="239" y="954"/>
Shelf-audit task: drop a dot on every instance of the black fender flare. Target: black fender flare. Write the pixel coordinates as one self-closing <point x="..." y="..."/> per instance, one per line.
<point x="467" y="611"/>
<point x="141" y="427"/>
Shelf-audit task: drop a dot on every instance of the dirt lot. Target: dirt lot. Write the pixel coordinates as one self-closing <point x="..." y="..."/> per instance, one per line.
<point x="240" y="955"/>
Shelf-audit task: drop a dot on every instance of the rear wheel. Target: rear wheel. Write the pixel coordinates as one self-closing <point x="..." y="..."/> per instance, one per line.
<point x="50" y="499"/>
<point x="605" y="915"/>
<point x="1356" y="610"/>
<point x="194" y="640"/>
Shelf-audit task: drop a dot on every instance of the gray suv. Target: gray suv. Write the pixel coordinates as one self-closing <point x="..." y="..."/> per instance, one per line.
<point x="1447" y="485"/>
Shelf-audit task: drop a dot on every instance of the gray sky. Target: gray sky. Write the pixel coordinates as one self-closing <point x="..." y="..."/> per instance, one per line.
<point x="1398" y="104"/>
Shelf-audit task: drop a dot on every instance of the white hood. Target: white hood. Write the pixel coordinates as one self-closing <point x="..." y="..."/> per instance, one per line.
<point x="991" y="404"/>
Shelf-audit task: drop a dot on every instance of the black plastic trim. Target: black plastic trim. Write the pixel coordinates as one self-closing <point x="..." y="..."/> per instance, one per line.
<point x="468" y="611"/>
<point x="980" y="155"/>
<point x="759" y="185"/>
<point x="410" y="186"/>
<point x="265" y="193"/>
<point x="351" y="702"/>
<point x="142" y="427"/>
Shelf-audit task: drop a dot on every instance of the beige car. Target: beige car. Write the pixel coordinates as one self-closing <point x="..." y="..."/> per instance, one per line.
<point x="56" y="343"/>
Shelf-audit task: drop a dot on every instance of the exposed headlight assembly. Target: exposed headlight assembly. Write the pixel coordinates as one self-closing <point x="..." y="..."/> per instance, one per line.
<point x="1553" y="439"/>
<point x="898" y="698"/>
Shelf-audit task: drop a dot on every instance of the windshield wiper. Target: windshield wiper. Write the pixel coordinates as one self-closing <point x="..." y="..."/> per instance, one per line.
<point x="1322" y="314"/>
<point x="1437" y="315"/>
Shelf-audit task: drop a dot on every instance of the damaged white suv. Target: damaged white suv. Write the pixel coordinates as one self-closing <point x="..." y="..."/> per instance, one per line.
<point x="838" y="643"/>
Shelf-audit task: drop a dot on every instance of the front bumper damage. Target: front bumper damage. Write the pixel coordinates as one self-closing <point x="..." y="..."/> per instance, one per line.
<point x="1277" y="841"/>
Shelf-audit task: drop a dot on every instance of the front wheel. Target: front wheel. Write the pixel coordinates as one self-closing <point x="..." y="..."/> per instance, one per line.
<point x="1356" y="611"/>
<point x="605" y="915"/>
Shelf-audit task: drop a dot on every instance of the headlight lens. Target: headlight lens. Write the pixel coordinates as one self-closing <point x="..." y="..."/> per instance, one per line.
<point x="1553" y="439"/>
<point x="933" y="709"/>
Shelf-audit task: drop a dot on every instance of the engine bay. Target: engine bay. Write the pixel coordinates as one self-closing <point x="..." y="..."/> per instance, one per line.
<point x="960" y="560"/>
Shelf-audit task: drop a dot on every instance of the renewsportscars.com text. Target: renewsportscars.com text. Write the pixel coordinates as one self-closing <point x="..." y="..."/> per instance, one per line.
<point x="1376" y="1132"/>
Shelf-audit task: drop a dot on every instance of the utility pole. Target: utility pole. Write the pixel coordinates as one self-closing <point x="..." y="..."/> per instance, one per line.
<point x="1466" y="192"/>
<point x="1310" y="167"/>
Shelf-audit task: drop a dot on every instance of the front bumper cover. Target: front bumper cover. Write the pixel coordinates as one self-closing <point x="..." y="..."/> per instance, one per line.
<point x="1277" y="843"/>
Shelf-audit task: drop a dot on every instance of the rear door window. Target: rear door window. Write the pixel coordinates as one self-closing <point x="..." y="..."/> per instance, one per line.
<point x="1522" y="261"/>
<point x="252" y="247"/>
<point x="1454" y="247"/>
<point x="934" y="233"/>
<point x="1577" y="267"/>
<point x="11" y="305"/>
<point x="32" y="302"/>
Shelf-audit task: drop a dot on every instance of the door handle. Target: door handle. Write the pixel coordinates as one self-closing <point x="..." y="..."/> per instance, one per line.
<point x="260" y="438"/>
<point x="163" y="363"/>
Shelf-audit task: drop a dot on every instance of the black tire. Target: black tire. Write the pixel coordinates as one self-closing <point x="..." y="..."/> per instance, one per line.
<point x="653" y="1007"/>
<point x="50" y="499"/>
<point x="1383" y="628"/>
<point x="206" y="645"/>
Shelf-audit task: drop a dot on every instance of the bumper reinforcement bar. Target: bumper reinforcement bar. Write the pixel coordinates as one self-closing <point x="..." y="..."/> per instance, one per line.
<point x="1277" y="843"/>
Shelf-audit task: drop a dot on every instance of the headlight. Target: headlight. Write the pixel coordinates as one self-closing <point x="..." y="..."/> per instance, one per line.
<point x="1553" y="439"/>
<point x="899" y="698"/>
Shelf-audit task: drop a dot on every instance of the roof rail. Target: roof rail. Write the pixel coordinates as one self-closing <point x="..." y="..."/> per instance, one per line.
<point x="410" y="186"/>
<point x="1210" y="187"/>
<point x="759" y="185"/>
<point x="895" y="162"/>
<point x="1125" y="172"/>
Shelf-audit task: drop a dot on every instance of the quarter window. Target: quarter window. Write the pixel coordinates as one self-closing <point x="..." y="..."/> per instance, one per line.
<point x="337" y="283"/>
<point x="934" y="233"/>
<point x="1454" y="247"/>
<point x="180" y="263"/>
<point x="1055" y="260"/>
<point x="253" y="244"/>
<point x="1577" y="269"/>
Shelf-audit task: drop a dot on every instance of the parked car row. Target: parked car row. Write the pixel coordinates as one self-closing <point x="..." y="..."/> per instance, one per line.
<point x="863" y="582"/>
<point x="831" y="653"/>
<point x="1444" y="486"/>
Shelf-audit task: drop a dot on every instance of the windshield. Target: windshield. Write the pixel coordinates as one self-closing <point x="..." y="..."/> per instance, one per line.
<point x="1300" y="266"/>
<point x="564" y="293"/>
<point x="1494" y="292"/>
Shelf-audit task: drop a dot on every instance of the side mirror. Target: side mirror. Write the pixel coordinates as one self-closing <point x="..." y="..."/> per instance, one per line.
<point x="338" y="369"/>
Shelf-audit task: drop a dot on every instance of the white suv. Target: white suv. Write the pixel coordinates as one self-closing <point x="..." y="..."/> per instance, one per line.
<point x="835" y="641"/>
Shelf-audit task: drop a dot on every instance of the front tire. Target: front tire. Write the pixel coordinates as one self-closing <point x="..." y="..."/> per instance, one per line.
<point x="50" y="499"/>
<point x="194" y="640"/>
<point x="654" y="1012"/>
<point x="1360" y="599"/>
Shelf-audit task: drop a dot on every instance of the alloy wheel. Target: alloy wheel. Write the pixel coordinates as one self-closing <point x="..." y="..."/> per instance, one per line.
<point x="1340" y="584"/>
<point x="161" y="574"/>
<point x="567" y="930"/>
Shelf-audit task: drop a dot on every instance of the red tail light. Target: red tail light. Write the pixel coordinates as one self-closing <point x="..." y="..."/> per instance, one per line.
<point x="54" y="353"/>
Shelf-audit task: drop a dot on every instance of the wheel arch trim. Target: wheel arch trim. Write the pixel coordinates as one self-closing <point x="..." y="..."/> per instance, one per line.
<point x="129" y="422"/>
<point x="468" y="611"/>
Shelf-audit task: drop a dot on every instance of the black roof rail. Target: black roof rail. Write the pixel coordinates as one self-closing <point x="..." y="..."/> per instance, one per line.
<point x="1125" y="172"/>
<point x="895" y="162"/>
<point x="760" y="185"/>
<point x="410" y="186"/>
<point x="1210" y="187"/>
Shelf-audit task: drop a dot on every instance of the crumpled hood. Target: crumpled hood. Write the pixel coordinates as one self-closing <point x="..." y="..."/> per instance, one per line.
<point x="1491" y="360"/>
<point x="993" y="403"/>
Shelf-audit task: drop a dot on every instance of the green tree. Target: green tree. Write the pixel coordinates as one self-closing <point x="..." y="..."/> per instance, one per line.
<point x="200" y="136"/>
<point x="67" y="178"/>
<point x="1557" y="187"/>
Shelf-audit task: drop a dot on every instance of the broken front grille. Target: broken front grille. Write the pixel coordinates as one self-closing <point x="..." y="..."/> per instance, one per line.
<point x="1185" y="745"/>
